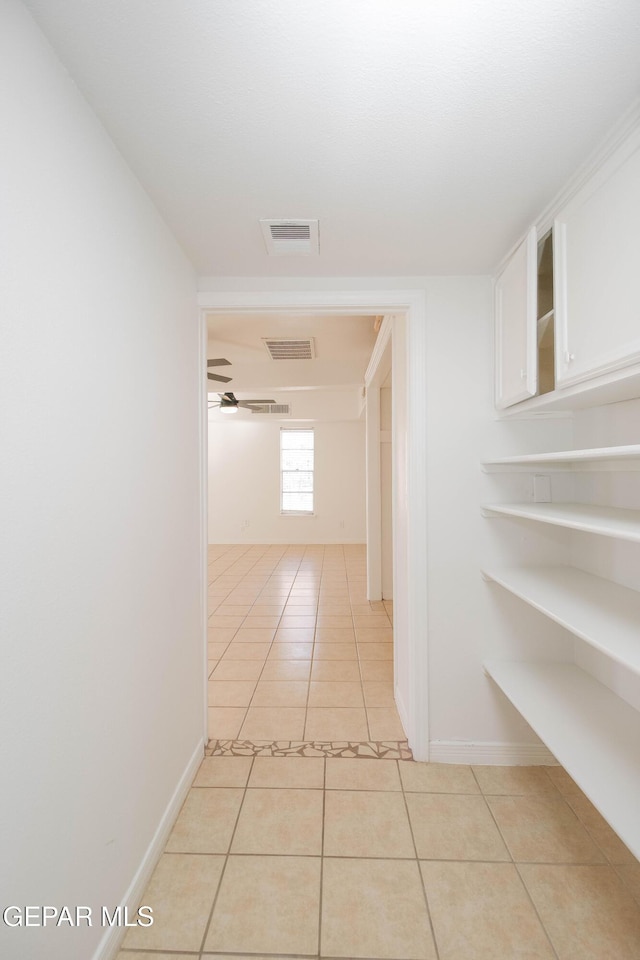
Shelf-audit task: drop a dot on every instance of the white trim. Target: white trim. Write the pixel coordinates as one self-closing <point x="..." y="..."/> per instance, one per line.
<point x="416" y="547"/>
<point x="373" y="494"/>
<point x="203" y="510"/>
<point x="111" y="940"/>
<point x="411" y="303"/>
<point x="490" y="753"/>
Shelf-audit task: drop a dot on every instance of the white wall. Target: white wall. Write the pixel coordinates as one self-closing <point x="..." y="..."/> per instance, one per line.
<point x="102" y="693"/>
<point x="386" y="492"/>
<point x="468" y="619"/>
<point x="244" y="483"/>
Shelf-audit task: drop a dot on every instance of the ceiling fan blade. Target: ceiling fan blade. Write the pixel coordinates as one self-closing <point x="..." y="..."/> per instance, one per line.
<point x="214" y="376"/>
<point x="247" y="406"/>
<point x="242" y="402"/>
<point x="219" y="363"/>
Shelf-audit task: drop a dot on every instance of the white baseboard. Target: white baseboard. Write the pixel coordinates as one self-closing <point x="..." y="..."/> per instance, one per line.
<point x="111" y="940"/>
<point x="498" y="754"/>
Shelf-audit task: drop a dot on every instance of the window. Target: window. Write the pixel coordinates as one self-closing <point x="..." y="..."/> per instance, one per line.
<point x="296" y="471"/>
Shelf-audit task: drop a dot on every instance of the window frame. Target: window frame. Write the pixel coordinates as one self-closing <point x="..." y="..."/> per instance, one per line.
<point x="297" y="513"/>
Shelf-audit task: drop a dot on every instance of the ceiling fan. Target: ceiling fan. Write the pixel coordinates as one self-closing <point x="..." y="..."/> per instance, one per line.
<point x="228" y="403"/>
<point x="220" y="362"/>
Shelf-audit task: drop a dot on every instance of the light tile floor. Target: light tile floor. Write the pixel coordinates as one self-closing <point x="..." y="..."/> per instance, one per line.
<point x="392" y="860"/>
<point x="296" y="651"/>
<point x="375" y="859"/>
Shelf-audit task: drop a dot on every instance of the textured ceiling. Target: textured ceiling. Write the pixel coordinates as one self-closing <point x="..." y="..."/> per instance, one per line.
<point x="424" y="134"/>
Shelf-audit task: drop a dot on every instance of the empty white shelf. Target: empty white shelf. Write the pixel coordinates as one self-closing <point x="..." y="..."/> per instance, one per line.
<point x="593" y="733"/>
<point x="602" y="613"/>
<point x="568" y="458"/>
<point x="608" y="521"/>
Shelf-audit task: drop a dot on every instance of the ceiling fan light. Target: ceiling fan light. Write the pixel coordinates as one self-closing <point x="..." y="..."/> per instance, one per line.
<point x="228" y="408"/>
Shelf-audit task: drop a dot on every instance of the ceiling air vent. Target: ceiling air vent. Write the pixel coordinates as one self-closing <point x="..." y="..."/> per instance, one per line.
<point x="287" y="349"/>
<point x="291" y="238"/>
<point x="282" y="409"/>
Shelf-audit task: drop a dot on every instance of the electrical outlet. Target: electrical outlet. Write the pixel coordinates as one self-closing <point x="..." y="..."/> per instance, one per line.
<point x="541" y="488"/>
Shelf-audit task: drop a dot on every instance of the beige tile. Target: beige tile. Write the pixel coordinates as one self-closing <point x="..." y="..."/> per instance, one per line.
<point x="629" y="873"/>
<point x="289" y="623"/>
<point x="375" y="651"/>
<point x="373" y="621"/>
<point x="234" y="609"/>
<point x="365" y="635"/>
<point x="254" y="635"/>
<point x="300" y="610"/>
<point x="280" y="821"/>
<point x="586" y="911"/>
<point x="211" y="665"/>
<point x="335" y="635"/>
<point x="223" y="772"/>
<point x="515" y="781"/>
<point x="295" y="635"/>
<point x="482" y="911"/>
<point x="206" y="821"/>
<point x="181" y="893"/>
<point x="217" y="620"/>
<point x="600" y="832"/>
<point x="281" y="693"/>
<point x="336" y="723"/>
<point x="379" y="694"/>
<point x="247" y="651"/>
<point x="291" y="651"/>
<point x="329" y="693"/>
<point x="365" y="823"/>
<point x="231" y="693"/>
<point x="384" y="724"/>
<point x="216" y="650"/>
<point x="295" y="772"/>
<point x="367" y="609"/>
<point x="454" y="827"/>
<point x="327" y="622"/>
<point x="543" y="830"/>
<point x="253" y="621"/>
<point x="375" y="908"/>
<point x="265" y="610"/>
<point x="238" y="670"/>
<point x="220" y="634"/>
<point x="273" y="723"/>
<point x="335" y="651"/>
<point x="333" y="608"/>
<point x="335" y="670"/>
<point x="437" y="778"/>
<point x="376" y="670"/>
<point x="128" y="955"/>
<point x="565" y="784"/>
<point x="345" y="774"/>
<point x="267" y="904"/>
<point x="286" y="670"/>
<point x="225" y="722"/>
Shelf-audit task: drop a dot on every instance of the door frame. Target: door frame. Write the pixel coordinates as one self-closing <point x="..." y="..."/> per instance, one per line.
<point x="406" y="320"/>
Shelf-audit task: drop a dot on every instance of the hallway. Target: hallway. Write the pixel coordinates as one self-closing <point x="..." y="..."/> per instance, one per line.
<point x="391" y="860"/>
<point x="298" y="654"/>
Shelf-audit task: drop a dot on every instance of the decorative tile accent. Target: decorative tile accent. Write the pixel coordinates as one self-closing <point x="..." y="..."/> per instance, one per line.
<point x="368" y="749"/>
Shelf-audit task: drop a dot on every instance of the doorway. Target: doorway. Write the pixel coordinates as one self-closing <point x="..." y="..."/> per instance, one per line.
<point x="405" y="317"/>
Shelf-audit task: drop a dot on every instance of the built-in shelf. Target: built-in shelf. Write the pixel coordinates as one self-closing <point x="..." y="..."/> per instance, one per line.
<point x="593" y="733"/>
<point x="608" y="521"/>
<point x="603" y="614"/>
<point x="623" y="457"/>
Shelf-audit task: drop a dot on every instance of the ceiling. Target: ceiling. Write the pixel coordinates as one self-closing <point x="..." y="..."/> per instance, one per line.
<point x="342" y="347"/>
<point x="425" y="135"/>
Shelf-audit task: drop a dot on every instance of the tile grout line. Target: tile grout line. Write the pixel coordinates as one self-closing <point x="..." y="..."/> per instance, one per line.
<point x="515" y="865"/>
<point x="226" y="860"/>
<point x="417" y="862"/>
<point x="324" y="799"/>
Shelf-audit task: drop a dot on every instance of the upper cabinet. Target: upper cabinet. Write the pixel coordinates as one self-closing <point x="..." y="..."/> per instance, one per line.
<point x="516" y="326"/>
<point x="597" y="272"/>
<point x="567" y="304"/>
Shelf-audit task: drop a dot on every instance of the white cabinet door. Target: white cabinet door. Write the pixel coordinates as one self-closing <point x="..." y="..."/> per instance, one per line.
<point x="597" y="273"/>
<point x="516" y="327"/>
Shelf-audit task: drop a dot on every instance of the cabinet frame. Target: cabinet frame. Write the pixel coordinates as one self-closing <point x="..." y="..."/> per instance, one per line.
<point x="528" y="253"/>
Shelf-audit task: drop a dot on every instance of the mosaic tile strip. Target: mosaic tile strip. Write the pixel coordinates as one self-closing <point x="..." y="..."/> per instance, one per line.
<point x="370" y="749"/>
